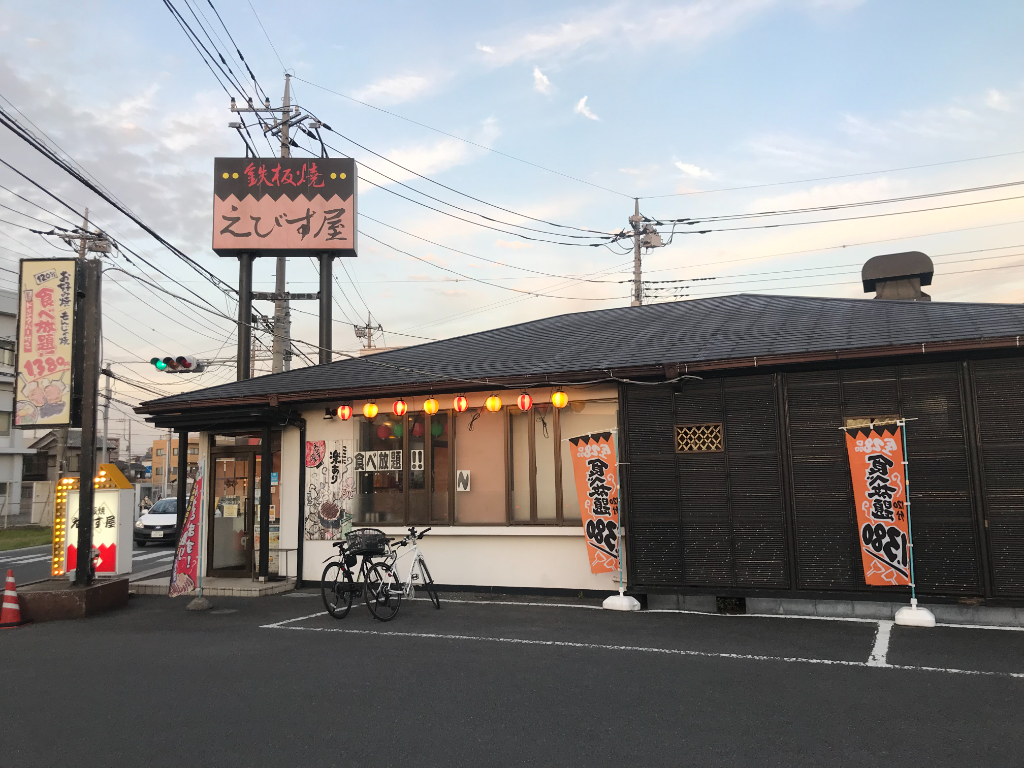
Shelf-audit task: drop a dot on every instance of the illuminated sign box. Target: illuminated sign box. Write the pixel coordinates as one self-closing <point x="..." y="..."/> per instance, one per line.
<point x="112" y="523"/>
<point x="284" y="206"/>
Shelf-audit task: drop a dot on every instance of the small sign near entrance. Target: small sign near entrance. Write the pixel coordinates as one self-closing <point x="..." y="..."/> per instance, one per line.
<point x="462" y="480"/>
<point x="378" y="461"/>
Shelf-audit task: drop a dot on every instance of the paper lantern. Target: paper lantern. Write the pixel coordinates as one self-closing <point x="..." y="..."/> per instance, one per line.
<point x="437" y="428"/>
<point x="559" y="399"/>
<point x="344" y="412"/>
<point x="383" y="432"/>
<point x="493" y="403"/>
<point x="417" y="429"/>
<point x="430" y="405"/>
<point x="370" y="410"/>
<point x="460" y="404"/>
<point x="525" y="402"/>
<point x="397" y="430"/>
<point x="400" y="407"/>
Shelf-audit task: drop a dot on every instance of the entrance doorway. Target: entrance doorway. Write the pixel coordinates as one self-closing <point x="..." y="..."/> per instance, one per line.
<point x="234" y="510"/>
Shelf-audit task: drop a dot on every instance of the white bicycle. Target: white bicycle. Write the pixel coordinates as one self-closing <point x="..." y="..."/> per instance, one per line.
<point x="418" y="574"/>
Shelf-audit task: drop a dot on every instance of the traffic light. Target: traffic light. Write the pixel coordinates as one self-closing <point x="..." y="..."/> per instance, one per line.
<point x="180" y="364"/>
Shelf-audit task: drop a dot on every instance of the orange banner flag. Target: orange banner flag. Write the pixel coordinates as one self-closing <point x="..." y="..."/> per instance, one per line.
<point x="878" y="467"/>
<point x="596" y="472"/>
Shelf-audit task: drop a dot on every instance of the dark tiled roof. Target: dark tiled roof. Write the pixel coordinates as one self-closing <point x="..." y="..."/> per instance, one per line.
<point x="719" y="329"/>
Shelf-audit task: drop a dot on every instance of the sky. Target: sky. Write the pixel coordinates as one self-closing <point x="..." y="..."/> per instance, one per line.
<point x="553" y="111"/>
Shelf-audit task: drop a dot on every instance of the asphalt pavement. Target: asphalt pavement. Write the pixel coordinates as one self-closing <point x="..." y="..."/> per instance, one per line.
<point x="485" y="682"/>
<point x="33" y="563"/>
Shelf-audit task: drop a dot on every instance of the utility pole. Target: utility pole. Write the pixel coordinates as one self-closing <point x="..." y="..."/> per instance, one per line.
<point x="167" y="463"/>
<point x="282" y="311"/>
<point x="366" y="331"/>
<point x="638" y="285"/>
<point x="106" y="417"/>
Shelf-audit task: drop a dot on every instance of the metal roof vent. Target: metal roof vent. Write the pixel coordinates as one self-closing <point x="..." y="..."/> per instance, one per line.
<point x="898" y="276"/>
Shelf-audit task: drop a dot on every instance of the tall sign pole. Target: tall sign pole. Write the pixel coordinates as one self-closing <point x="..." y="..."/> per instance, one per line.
<point x="92" y="332"/>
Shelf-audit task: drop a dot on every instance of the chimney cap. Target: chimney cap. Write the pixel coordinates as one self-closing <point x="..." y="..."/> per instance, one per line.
<point x="896" y="266"/>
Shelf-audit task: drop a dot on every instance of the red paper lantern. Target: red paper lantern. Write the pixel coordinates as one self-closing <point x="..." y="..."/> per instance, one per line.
<point x="460" y="404"/>
<point x="344" y="412"/>
<point x="417" y="429"/>
<point x="400" y="407"/>
<point x="525" y="402"/>
<point x="383" y="432"/>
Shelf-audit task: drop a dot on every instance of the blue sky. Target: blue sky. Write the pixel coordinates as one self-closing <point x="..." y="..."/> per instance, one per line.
<point x="642" y="99"/>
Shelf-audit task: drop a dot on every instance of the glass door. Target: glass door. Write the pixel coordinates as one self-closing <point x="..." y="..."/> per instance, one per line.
<point x="231" y="520"/>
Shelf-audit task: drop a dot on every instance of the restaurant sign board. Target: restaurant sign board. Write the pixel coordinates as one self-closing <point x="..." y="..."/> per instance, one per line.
<point x="46" y="325"/>
<point x="284" y="206"/>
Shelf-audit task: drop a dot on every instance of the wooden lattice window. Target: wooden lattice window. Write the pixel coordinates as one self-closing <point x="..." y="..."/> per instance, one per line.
<point x="699" y="438"/>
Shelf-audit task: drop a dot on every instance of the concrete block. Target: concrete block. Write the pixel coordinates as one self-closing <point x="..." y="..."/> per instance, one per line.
<point x="834" y="608"/>
<point x="699" y="603"/>
<point x="868" y="610"/>
<point x="1020" y="617"/>
<point x="792" y="607"/>
<point x="56" y="599"/>
<point x="992" y="616"/>
<point x="663" y="602"/>
<point x="954" y="614"/>
<point x="764" y="605"/>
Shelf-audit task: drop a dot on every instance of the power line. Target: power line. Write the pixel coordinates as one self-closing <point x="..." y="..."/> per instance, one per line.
<point x="830" y="178"/>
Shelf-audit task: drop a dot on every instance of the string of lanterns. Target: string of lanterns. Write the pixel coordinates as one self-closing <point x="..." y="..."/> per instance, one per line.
<point x="460" y="404"/>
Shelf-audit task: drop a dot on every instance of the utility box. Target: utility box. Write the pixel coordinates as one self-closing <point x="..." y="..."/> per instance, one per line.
<point x="113" y="519"/>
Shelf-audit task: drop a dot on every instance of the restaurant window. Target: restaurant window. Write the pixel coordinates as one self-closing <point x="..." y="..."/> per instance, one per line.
<point x="582" y="417"/>
<point x="533" y="490"/>
<point x="480" y="493"/>
<point x="440" y="468"/>
<point x="380" y="488"/>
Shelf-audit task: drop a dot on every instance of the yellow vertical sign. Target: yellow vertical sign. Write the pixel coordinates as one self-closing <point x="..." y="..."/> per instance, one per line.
<point x="46" y="320"/>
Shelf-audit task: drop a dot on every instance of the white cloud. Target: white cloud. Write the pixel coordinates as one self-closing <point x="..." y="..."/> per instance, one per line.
<point x="581" y="108"/>
<point x="515" y="245"/>
<point x="541" y="83"/>
<point x="693" y="171"/>
<point x="394" y="90"/>
<point x="438" y="156"/>
<point x="998" y="100"/>
<point x="692" y="22"/>
<point x="484" y="48"/>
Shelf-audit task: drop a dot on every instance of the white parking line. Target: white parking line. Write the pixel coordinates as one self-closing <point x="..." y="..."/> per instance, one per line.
<point x="151" y="555"/>
<point x="636" y="649"/>
<point x="881" y="648"/>
<point x="25" y="559"/>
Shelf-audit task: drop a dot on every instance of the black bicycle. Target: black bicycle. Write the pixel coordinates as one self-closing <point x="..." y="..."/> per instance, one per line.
<point x="342" y="583"/>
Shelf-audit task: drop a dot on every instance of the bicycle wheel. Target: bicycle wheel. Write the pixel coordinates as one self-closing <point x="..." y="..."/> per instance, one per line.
<point x="336" y="590"/>
<point x="428" y="584"/>
<point x="383" y="591"/>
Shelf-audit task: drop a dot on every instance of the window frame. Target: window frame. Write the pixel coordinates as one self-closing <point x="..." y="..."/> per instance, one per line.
<point x="558" y="519"/>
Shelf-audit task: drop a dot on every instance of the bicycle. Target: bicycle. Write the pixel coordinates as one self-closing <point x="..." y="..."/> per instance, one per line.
<point x="339" y="588"/>
<point x="407" y="589"/>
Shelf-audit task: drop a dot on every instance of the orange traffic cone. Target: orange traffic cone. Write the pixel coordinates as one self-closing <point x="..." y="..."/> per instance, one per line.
<point x="10" y="614"/>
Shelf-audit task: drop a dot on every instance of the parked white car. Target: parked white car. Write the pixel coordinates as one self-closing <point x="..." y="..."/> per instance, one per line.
<point x="159" y="524"/>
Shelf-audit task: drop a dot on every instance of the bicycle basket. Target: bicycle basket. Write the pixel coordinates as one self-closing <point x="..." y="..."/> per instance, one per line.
<point x="367" y="541"/>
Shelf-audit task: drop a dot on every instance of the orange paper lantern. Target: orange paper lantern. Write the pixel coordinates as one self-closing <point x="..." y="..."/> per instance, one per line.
<point x="344" y="412"/>
<point x="493" y="403"/>
<point x="430" y="405"/>
<point x="525" y="402"/>
<point x="460" y="404"/>
<point x="370" y="410"/>
<point x="559" y="399"/>
<point x="400" y="407"/>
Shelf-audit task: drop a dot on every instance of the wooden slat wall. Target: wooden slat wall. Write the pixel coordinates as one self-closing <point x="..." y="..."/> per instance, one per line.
<point x="999" y="394"/>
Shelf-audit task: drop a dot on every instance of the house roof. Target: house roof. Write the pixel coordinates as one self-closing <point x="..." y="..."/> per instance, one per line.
<point x="700" y="334"/>
<point x="49" y="440"/>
